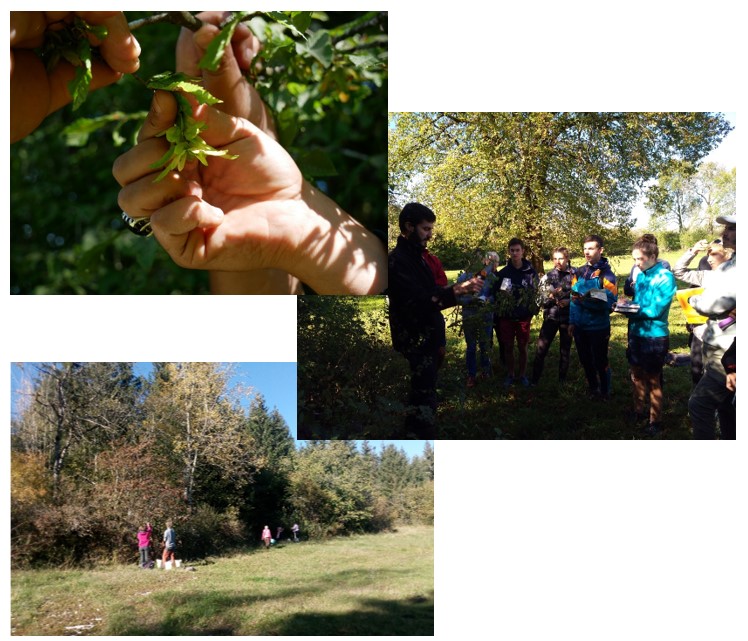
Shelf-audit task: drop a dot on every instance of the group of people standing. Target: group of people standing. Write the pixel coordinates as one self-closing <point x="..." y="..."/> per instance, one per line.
<point x="577" y="304"/>
<point x="267" y="537"/>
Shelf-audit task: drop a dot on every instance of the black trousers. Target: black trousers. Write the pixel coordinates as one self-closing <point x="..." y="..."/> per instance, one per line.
<point x="421" y="413"/>
<point x="710" y="395"/>
<point x="548" y="332"/>
<point x="592" y="347"/>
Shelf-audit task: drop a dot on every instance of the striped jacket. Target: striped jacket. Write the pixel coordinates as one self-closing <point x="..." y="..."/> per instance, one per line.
<point x="590" y="313"/>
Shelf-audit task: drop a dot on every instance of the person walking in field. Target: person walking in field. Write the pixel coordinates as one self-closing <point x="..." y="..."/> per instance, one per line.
<point x="170" y="543"/>
<point x="267" y="537"/>
<point x="144" y="544"/>
<point x="295" y="530"/>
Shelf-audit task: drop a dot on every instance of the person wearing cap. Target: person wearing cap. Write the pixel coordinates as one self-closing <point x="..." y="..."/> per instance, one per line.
<point x="717" y="303"/>
<point x="415" y="313"/>
<point x="716" y="254"/>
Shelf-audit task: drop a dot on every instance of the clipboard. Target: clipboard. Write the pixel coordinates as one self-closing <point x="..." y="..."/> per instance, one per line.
<point x="692" y="316"/>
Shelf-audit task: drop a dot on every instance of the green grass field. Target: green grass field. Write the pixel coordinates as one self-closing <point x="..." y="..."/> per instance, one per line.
<point x="379" y="584"/>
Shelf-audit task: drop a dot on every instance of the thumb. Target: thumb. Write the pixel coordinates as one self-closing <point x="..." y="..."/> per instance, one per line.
<point x="222" y="82"/>
<point x="161" y="116"/>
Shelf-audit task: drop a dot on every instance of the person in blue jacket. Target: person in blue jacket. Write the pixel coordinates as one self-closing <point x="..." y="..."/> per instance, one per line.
<point x="593" y="294"/>
<point x="648" y="336"/>
<point x="628" y="285"/>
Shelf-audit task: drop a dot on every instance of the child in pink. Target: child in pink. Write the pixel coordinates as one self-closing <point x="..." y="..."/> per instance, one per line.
<point x="144" y="543"/>
<point x="266" y="536"/>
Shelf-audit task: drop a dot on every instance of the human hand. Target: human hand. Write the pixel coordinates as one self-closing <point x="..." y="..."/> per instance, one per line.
<point x="229" y="84"/>
<point x="570" y="331"/>
<point x="253" y="212"/>
<point x="36" y="93"/>
<point x="228" y="81"/>
<point x="700" y="246"/>
<point x="472" y="286"/>
<point x="732" y="381"/>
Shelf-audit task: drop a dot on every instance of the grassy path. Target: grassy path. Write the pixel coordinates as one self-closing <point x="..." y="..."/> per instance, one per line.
<point x="375" y="584"/>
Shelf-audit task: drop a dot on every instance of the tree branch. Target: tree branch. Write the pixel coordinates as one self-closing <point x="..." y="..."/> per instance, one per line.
<point x="360" y="28"/>
<point x="181" y="18"/>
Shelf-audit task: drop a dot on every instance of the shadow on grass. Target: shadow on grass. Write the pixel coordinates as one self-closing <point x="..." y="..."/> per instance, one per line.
<point x="222" y="613"/>
<point x="553" y="411"/>
<point x="380" y="617"/>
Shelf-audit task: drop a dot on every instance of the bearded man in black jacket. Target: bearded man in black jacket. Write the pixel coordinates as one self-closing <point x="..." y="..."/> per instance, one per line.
<point x="415" y="308"/>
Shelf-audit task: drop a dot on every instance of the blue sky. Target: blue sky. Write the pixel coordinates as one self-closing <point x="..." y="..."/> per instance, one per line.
<point x="275" y="381"/>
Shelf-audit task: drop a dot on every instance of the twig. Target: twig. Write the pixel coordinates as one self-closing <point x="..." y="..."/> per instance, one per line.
<point x="372" y="22"/>
<point x="181" y="18"/>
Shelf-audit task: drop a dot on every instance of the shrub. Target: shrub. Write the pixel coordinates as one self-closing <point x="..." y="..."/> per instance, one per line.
<point x="208" y="531"/>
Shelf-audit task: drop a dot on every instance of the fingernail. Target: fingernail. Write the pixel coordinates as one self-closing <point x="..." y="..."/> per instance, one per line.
<point x="216" y="213"/>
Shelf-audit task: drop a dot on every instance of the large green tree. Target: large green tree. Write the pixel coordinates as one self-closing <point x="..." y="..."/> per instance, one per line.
<point x="266" y="499"/>
<point x="687" y="197"/>
<point x="190" y="407"/>
<point x="547" y="177"/>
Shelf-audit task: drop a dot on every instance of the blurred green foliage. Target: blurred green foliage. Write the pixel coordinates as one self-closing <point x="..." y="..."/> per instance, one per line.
<point x="329" y="95"/>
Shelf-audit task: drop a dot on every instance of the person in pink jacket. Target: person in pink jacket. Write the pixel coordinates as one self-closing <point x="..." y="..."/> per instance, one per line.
<point x="266" y="537"/>
<point x="144" y="544"/>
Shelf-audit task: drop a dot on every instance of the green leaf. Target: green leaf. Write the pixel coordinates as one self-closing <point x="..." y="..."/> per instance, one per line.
<point x="78" y="86"/>
<point x="283" y="18"/>
<point x="316" y="163"/>
<point x="319" y="46"/>
<point x="213" y="54"/>
<point x="171" y="81"/>
<point x="288" y="127"/>
<point x="301" y="20"/>
<point x="78" y="131"/>
<point x="366" y="61"/>
<point x="337" y="32"/>
<point x="164" y="159"/>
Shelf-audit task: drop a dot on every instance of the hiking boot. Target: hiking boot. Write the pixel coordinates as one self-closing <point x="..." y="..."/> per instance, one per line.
<point x="524" y="381"/>
<point x="509" y="381"/>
